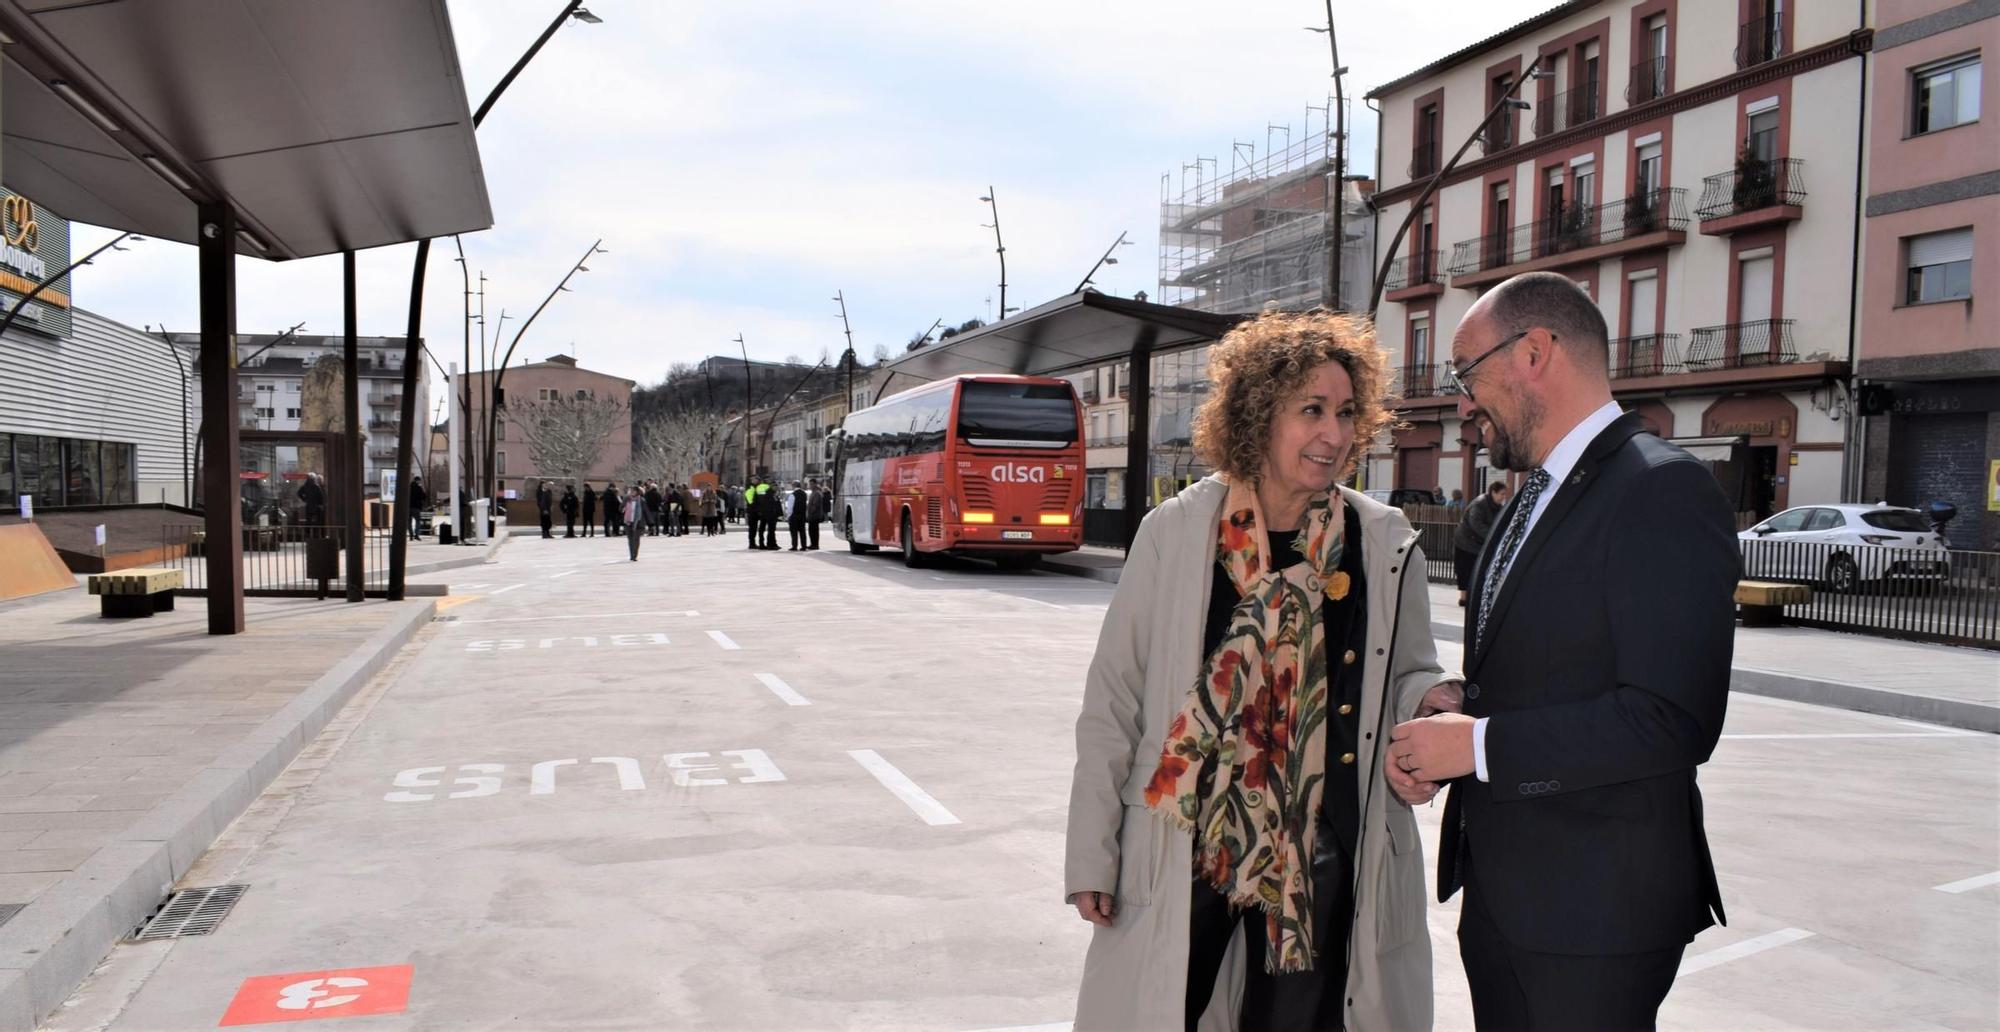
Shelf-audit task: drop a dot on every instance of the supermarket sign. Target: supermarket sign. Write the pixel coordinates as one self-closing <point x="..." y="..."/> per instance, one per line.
<point x="34" y="243"/>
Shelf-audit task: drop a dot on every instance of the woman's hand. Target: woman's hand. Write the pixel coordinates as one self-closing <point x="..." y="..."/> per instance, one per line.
<point x="1095" y="907"/>
<point x="1407" y="788"/>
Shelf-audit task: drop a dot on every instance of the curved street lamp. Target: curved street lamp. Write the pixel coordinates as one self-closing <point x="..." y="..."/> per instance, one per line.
<point x="999" y="248"/>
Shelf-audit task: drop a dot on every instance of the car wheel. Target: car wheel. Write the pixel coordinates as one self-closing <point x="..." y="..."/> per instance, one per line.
<point x="911" y="557"/>
<point x="1842" y="575"/>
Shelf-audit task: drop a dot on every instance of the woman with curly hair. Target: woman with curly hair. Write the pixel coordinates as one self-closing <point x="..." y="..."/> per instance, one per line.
<point x="1244" y="861"/>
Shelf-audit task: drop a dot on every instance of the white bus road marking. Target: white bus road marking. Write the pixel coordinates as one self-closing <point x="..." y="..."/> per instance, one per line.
<point x="723" y="640"/>
<point x="1039" y="602"/>
<point x="1969" y="884"/>
<point x="1059" y="1027"/>
<point x="900" y="785"/>
<point x="783" y="691"/>
<point x="565" y="573"/>
<point x="1737" y="951"/>
<point x="589" y="642"/>
<point x="580" y="616"/>
<point x="509" y="588"/>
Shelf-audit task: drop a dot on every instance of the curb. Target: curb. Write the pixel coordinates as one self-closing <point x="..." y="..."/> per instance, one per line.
<point x="1107" y="574"/>
<point x="1971" y="716"/>
<point x="484" y="556"/>
<point x="48" y="949"/>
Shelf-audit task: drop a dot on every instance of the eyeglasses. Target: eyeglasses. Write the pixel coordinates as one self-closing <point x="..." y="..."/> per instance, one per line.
<point x="1455" y="376"/>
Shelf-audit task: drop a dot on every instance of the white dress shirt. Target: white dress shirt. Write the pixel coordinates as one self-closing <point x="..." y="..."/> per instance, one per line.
<point x="1561" y="460"/>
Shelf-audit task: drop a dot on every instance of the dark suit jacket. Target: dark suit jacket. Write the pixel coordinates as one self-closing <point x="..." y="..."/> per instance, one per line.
<point x="1605" y="670"/>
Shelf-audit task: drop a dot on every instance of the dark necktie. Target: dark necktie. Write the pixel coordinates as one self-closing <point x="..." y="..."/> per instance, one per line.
<point x="1510" y="543"/>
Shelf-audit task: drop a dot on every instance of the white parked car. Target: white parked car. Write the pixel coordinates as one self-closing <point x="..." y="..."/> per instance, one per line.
<point x="1843" y="547"/>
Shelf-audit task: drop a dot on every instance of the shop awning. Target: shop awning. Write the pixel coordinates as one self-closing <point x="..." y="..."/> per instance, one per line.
<point x="1709" y="449"/>
<point x="326" y="126"/>
<point x="1071" y="332"/>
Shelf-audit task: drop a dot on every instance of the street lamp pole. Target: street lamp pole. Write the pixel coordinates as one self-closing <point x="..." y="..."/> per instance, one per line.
<point x="46" y="283"/>
<point x="747" y="405"/>
<point x="399" y="546"/>
<point x="841" y="296"/>
<point x="1337" y="190"/>
<point x="1508" y="102"/>
<point x="187" y="470"/>
<point x="1101" y="263"/>
<point x="999" y="248"/>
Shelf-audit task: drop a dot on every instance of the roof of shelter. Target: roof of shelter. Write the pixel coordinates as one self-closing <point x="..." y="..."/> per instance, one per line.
<point x="1071" y="332"/>
<point x="325" y="126"/>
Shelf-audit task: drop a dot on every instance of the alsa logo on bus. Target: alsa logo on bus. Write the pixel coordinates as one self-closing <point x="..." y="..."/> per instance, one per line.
<point x="1013" y="473"/>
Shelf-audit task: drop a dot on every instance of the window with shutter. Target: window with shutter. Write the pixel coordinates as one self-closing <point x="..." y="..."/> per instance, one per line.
<point x="1939" y="266"/>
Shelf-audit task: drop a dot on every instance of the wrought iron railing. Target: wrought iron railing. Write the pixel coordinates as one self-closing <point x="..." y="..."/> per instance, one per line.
<point x="1107" y="440"/>
<point x="1649" y="81"/>
<point x="1562" y="110"/>
<point x="283" y="559"/>
<point x="1424" y="159"/>
<point x="1753" y="184"/>
<point x="1741" y="345"/>
<point x="1421" y="381"/>
<point x="1415" y="270"/>
<point x="1574" y="229"/>
<point x="1651" y="354"/>
<point x="1760" y="39"/>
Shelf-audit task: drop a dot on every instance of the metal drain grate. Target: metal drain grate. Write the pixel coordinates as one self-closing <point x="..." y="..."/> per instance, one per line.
<point x="8" y="910"/>
<point x="190" y="912"/>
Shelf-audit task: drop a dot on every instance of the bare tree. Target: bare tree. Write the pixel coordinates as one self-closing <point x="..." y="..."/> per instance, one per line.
<point x="566" y="436"/>
<point x="674" y="446"/>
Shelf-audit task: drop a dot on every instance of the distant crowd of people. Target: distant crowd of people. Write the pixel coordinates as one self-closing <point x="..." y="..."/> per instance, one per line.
<point x="651" y="508"/>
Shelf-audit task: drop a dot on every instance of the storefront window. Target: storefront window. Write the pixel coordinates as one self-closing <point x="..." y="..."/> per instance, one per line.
<point x="81" y="473"/>
<point x="58" y="471"/>
<point x="50" y="493"/>
<point x="7" y="491"/>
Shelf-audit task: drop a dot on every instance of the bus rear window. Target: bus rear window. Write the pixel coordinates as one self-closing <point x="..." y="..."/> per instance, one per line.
<point x="1041" y="413"/>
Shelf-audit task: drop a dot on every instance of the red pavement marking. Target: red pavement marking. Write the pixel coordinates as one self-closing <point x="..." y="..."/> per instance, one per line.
<point x="311" y="995"/>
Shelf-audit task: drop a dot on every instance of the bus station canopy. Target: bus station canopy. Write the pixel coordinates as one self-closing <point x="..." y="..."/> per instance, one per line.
<point x="325" y="126"/>
<point x="1072" y="332"/>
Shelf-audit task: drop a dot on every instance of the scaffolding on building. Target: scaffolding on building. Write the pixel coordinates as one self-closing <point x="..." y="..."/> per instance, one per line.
<point x="1255" y="237"/>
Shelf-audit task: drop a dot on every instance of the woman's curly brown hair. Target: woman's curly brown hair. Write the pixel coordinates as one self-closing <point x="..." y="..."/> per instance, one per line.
<point x="1263" y="362"/>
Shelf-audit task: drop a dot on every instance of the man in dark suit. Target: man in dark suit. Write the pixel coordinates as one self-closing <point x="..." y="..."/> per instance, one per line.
<point x="1598" y="649"/>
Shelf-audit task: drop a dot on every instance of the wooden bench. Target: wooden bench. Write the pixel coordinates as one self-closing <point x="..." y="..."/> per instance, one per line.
<point x="1763" y="602"/>
<point x="141" y="591"/>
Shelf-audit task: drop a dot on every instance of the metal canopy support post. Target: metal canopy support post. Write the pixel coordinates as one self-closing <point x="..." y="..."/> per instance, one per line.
<point x="351" y="405"/>
<point x="222" y="545"/>
<point x="406" y="434"/>
<point x="1138" y="447"/>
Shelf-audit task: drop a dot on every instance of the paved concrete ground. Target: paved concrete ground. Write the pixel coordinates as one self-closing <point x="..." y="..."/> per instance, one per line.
<point x="822" y="791"/>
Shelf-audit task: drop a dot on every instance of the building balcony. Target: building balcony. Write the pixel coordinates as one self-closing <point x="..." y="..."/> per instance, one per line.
<point x="1575" y="236"/>
<point x="1424" y="159"/>
<point x="385" y="399"/>
<point x="1563" y="110"/>
<point x="1423" y="386"/>
<point x="1107" y="441"/>
<point x="1649" y="81"/>
<point x="1760" y="40"/>
<point x="1756" y="193"/>
<point x="1756" y="354"/>
<point x="1414" y="276"/>
<point x="1499" y="133"/>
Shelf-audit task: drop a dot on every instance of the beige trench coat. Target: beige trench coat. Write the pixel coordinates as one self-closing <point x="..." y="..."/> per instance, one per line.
<point x="1148" y="656"/>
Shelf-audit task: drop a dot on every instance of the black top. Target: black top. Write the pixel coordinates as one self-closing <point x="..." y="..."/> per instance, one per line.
<point x="1346" y="623"/>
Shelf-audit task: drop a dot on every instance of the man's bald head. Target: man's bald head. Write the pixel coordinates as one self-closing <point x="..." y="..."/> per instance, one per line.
<point x="1555" y="303"/>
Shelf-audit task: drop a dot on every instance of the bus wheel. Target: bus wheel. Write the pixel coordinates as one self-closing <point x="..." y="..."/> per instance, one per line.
<point x="853" y="545"/>
<point x="1024" y="561"/>
<point x="911" y="557"/>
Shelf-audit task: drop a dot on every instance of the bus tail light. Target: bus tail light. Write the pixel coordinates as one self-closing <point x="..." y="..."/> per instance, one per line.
<point x="978" y="517"/>
<point x="1055" y="520"/>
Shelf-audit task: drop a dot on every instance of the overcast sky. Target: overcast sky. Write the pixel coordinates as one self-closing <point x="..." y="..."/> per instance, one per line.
<point x="743" y="161"/>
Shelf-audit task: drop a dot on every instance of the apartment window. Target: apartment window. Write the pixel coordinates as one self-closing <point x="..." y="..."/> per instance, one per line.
<point x="262" y="413"/>
<point x="1763" y="141"/>
<point x="500" y="430"/>
<point x="1940" y="267"/>
<point x="1425" y="160"/>
<point x="1648" y="178"/>
<point x="291" y="413"/>
<point x="1500" y="131"/>
<point x="1420" y="341"/>
<point x="545" y="394"/>
<point x="1586" y="103"/>
<point x="500" y="463"/>
<point x="1946" y="95"/>
<point x="1586" y="184"/>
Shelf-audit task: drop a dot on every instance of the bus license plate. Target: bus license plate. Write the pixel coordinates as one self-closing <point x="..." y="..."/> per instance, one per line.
<point x="1018" y="535"/>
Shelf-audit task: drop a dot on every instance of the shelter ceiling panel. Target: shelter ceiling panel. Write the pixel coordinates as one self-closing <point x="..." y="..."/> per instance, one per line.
<point x="115" y="190"/>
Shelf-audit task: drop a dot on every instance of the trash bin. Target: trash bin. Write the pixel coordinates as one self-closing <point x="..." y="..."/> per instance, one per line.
<point x="480" y="529"/>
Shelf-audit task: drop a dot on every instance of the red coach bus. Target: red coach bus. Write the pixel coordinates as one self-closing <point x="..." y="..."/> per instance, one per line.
<point x="989" y="466"/>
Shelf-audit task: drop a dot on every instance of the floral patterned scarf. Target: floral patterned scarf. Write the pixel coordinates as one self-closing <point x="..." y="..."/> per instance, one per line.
<point x="1244" y="762"/>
